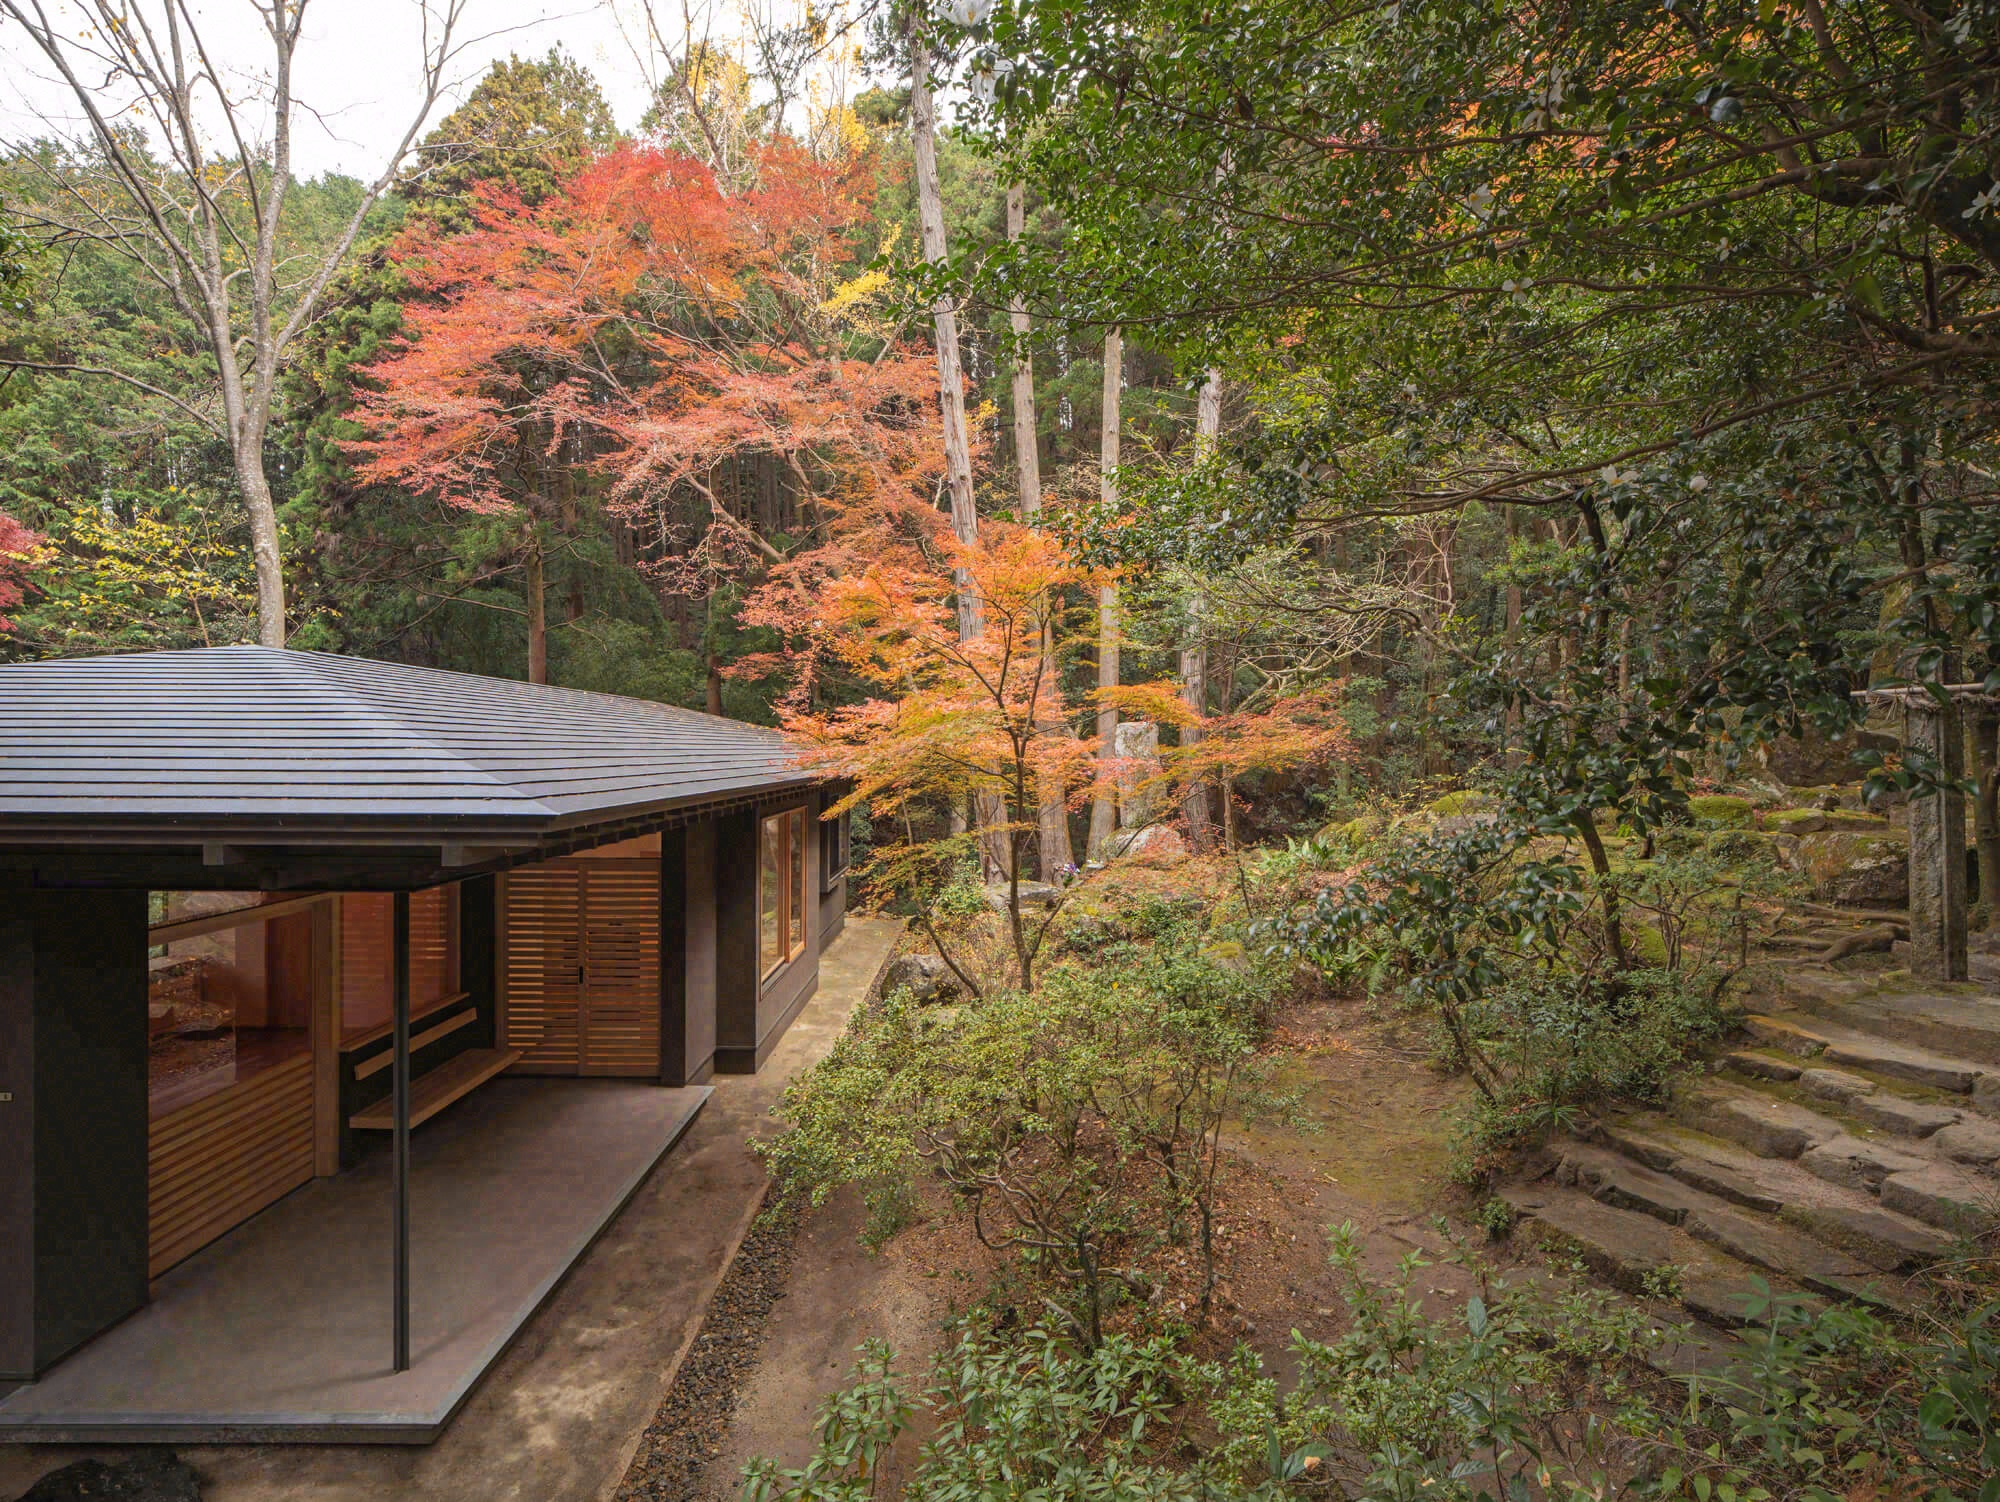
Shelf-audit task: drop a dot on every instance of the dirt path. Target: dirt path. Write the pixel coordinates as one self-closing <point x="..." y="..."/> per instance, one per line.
<point x="1369" y="1146"/>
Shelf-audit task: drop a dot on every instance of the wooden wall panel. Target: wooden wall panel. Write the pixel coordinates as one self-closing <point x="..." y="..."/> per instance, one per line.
<point x="214" y="1164"/>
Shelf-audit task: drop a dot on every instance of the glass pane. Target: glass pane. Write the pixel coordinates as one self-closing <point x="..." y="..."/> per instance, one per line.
<point x="223" y="1006"/>
<point x="768" y="867"/>
<point x="367" y="973"/>
<point x="366" y="977"/>
<point x="797" y="928"/>
<point x="433" y="946"/>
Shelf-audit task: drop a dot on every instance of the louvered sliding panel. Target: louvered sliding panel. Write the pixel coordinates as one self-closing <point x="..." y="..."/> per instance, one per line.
<point x="621" y="967"/>
<point x="216" y="1163"/>
<point x="543" y="964"/>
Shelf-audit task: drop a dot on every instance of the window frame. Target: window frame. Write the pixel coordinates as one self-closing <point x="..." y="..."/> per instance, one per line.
<point x="836" y="850"/>
<point x="790" y="893"/>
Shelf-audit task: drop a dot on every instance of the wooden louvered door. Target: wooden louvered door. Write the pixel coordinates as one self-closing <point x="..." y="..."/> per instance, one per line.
<point x="582" y="965"/>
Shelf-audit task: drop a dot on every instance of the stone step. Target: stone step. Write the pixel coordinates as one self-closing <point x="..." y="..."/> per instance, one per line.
<point x="1631" y="1251"/>
<point x="1769" y="1127"/>
<point x="1886" y="1241"/>
<point x="1612" y="1179"/>
<point x="1944" y="1196"/>
<point x="1973" y="1143"/>
<point x="1831" y="1042"/>
<point x="1869" y="1099"/>
<point x="1847" y="1219"/>
<point x="1961" y="1025"/>
<point x="1766" y="1243"/>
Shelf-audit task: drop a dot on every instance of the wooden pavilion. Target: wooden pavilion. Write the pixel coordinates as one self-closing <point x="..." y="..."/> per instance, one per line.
<point x="265" y="913"/>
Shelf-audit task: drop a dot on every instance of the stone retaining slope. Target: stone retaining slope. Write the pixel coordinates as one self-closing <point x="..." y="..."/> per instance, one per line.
<point x="1853" y="1140"/>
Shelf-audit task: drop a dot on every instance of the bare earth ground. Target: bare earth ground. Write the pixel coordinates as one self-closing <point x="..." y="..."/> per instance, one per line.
<point x="1368" y="1147"/>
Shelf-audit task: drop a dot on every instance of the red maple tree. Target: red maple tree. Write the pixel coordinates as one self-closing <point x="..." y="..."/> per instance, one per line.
<point x="19" y="548"/>
<point x="629" y="338"/>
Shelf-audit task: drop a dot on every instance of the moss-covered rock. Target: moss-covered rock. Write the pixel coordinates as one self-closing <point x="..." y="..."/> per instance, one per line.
<point x="1721" y="811"/>
<point x="1647" y="945"/>
<point x="1228" y="954"/>
<point x="1869" y="870"/>
<point x="1464" y="801"/>
<point x="1821" y="821"/>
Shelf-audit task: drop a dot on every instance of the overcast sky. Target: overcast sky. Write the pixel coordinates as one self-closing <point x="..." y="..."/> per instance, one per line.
<point x="358" y="68"/>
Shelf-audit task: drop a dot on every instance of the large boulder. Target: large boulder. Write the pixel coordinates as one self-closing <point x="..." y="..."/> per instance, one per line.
<point x="1863" y="870"/>
<point x="1136" y="745"/>
<point x="1457" y="812"/>
<point x="1804" y="821"/>
<point x="1811" y="760"/>
<point x="1154" y="839"/>
<point x="155" y="1476"/>
<point x="1031" y="893"/>
<point x="1721" y="811"/>
<point x="926" y="977"/>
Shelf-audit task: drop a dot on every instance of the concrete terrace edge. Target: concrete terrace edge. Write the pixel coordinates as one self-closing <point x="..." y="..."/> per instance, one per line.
<point x="349" y="1429"/>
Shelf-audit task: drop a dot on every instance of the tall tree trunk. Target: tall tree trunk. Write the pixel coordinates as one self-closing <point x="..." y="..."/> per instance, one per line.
<point x="1052" y="812"/>
<point x="1226" y="701"/>
<point x="944" y="319"/>
<point x="711" y="658"/>
<point x="1194" y="654"/>
<point x="270" y="569"/>
<point x="995" y="846"/>
<point x="1511" y="722"/>
<point x="538" y="609"/>
<point x="1986" y="808"/>
<point x="1104" y="808"/>
<point x="572" y="525"/>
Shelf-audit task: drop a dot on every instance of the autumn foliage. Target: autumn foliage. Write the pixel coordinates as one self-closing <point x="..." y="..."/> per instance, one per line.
<point x="995" y="715"/>
<point x="638" y="330"/>
<point x="18" y="548"/>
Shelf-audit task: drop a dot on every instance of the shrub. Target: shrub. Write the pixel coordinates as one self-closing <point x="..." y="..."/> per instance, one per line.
<point x="1080" y="1126"/>
<point x="1533" y="1389"/>
<point x="1558" y="1041"/>
<point x="1029" y="1416"/>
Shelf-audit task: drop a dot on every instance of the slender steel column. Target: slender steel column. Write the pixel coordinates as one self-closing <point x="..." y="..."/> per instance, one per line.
<point x="400" y="1086"/>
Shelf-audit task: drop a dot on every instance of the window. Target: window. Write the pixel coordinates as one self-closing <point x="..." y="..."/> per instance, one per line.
<point x="835" y="844"/>
<point x="367" y="976"/>
<point x="781" y="889"/>
<point x="229" y="994"/>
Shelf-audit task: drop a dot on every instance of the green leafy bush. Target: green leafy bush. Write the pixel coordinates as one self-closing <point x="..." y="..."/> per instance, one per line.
<point x="1080" y="1125"/>
<point x="1538" y="1388"/>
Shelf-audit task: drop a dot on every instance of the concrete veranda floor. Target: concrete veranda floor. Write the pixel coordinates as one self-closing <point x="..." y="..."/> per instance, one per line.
<point x="281" y="1330"/>
<point x="560" y="1414"/>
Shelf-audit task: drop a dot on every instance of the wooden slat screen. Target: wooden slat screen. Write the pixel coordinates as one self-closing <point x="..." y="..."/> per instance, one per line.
<point x="544" y="966"/>
<point x="582" y="963"/>
<point x="214" y="1164"/>
<point x="621" y="968"/>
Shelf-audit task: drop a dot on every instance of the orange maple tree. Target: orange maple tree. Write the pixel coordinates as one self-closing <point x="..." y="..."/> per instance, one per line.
<point x="994" y="715"/>
<point x="631" y="335"/>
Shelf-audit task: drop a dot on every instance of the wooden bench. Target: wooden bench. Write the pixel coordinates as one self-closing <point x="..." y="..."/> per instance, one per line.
<point x="432" y="1091"/>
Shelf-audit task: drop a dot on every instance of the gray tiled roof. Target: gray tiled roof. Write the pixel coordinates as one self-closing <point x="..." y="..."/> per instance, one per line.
<point x="283" y="740"/>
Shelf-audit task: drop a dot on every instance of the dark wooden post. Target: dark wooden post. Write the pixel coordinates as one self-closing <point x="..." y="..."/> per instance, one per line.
<point x="400" y="1074"/>
<point x="675" y="1062"/>
<point x="736" y="979"/>
<point x="73" y="1128"/>
<point x="1937" y="844"/>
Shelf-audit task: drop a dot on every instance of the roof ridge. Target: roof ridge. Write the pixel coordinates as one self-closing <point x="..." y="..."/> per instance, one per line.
<point x="356" y="702"/>
<point x="488" y="682"/>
